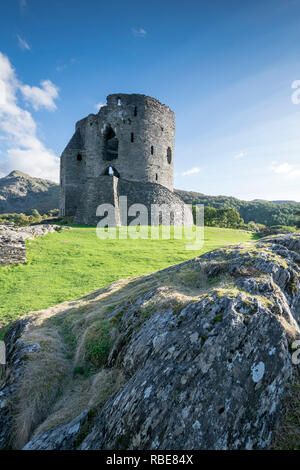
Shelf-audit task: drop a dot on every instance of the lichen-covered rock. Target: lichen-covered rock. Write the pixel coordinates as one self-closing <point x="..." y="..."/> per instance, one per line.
<point x="15" y="357"/>
<point x="197" y="356"/>
<point x="12" y="248"/>
<point x="62" y="437"/>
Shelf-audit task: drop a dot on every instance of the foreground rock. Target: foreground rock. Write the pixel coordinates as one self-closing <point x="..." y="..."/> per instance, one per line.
<point x="12" y="240"/>
<point x="197" y="356"/>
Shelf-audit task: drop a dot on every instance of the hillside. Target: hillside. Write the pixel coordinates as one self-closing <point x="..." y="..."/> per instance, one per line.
<point x="196" y="356"/>
<point x="22" y="193"/>
<point x="259" y="211"/>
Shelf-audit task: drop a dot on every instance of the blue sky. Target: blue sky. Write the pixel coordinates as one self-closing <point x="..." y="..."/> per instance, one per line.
<point x="225" y="68"/>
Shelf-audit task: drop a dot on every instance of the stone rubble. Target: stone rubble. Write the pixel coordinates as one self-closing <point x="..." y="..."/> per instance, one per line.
<point x="12" y="240"/>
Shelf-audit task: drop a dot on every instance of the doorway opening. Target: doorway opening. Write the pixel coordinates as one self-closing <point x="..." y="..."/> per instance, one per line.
<point x="111" y="145"/>
<point x="111" y="171"/>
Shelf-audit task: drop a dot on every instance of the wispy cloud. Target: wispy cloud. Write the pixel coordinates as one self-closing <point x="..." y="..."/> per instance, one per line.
<point x="139" y="32"/>
<point x="240" y="155"/>
<point x="97" y="106"/>
<point x="192" y="171"/>
<point x="23" y="44"/>
<point x="62" y="65"/>
<point x="23" y="149"/>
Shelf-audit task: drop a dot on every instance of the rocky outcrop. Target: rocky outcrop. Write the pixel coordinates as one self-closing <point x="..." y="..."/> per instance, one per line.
<point x="22" y="193"/>
<point x="269" y="231"/>
<point x="62" y="437"/>
<point x="12" y="240"/>
<point x="15" y="354"/>
<point x="197" y="356"/>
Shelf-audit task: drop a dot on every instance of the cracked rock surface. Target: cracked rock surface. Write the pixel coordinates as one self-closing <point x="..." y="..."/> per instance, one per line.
<point x="197" y="356"/>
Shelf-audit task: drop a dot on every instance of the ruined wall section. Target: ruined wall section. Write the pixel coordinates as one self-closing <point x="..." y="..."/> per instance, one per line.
<point x="108" y="189"/>
<point x="72" y="174"/>
<point x="96" y="191"/>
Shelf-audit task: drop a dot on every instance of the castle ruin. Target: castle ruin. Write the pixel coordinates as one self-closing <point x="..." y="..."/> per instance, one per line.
<point x="127" y="150"/>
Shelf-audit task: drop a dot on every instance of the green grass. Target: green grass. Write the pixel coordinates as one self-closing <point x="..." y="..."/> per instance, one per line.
<point x="98" y="343"/>
<point x="66" y="265"/>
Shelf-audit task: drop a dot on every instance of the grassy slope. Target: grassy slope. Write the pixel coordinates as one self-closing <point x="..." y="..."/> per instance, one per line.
<point x="66" y="265"/>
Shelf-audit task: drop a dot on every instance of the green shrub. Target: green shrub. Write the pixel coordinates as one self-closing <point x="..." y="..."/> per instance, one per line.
<point x="67" y="220"/>
<point x="52" y="213"/>
<point x="255" y="226"/>
<point x="35" y="216"/>
<point x="225" y="217"/>
<point x="20" y="220"/>
<point x="284" y="228"/>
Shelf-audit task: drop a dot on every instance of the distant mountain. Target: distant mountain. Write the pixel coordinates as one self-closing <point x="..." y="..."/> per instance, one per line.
<point x="286" y="202"/>
<point x="22" y="193"/>
<point x="259" y="211"/>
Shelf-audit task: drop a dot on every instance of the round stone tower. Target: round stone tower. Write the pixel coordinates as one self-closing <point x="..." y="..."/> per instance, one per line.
<point x="132" y="139"/>
<point x="135" y="136"/>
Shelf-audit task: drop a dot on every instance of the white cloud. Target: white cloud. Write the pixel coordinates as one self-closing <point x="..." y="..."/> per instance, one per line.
<point x="99" y="105"/>
<point x="140" y="32"/>
<point x="23" y="44"/>
<point x="286" y="170"/>
<point x="192" y="171"/>
<point x="24" y="150"/>
<point x="41" y="97"/>
<point x="240" y="155"/>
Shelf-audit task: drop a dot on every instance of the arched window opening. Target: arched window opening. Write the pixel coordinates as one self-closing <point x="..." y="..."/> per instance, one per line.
<point x="135" y="111"/>
<point x="79" y="157"/>
<point x="169" y="155"/>
<point x="119" y="102"/>
<point x="156" y="177"/>
<point x="152" y="150"/>
<point x="132" y="137"/>
<point x="111" y="171"/>
<point x="111" y="145"/>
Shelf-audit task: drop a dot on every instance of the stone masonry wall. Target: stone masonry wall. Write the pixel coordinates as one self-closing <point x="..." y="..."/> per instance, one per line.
<point x="145" y="130"/>
<point x="108" y="189"/>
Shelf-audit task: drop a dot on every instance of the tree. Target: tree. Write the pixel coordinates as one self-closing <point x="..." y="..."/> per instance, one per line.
<point x="225" y="217"/>
<point x="229" y="218"/>
<point x="35" y="216"/>
<point x="20" y="220"/>
<point x="210" y="215"/>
